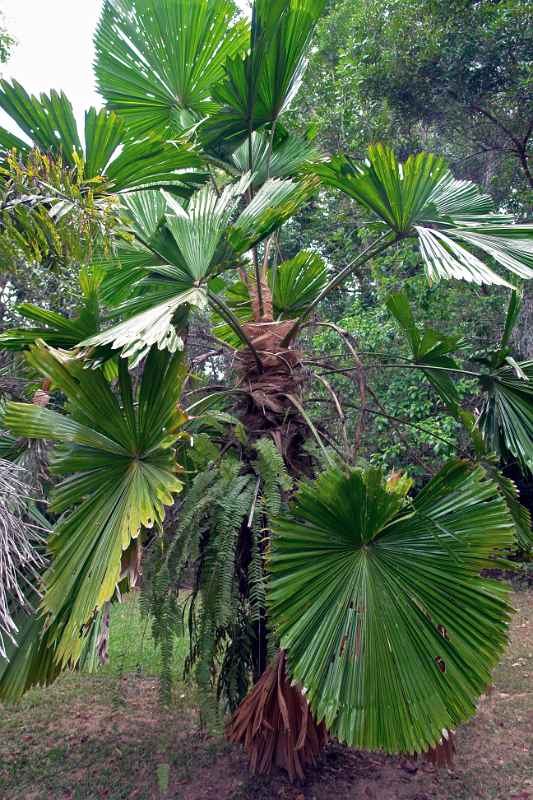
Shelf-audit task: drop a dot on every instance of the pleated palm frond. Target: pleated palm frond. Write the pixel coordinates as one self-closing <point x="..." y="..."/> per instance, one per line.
<point x="107" y="152"/>
<point x="115" y="451"/>
<point x="152" y="327"/>
<point x="275" y="203"/>
<point x="285" y="160"/>
<point x="164" y="272"/>
<point x="509" y="491"/>
<point x="198" y="229"/>
<point x="30" y="661"/>
<point x="450" y="218"/>
<point x="179" y="250"/>
<point x="157" y="63"/>
<point x="57" y="329"/>
<point x="429" y="348"/>
<point x="258" y="87"/>
<point x="506" y="420"/>
<point x="379" y="602"/>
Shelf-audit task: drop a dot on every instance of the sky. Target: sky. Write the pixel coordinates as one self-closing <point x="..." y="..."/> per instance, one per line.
<point x="55" y="48"/>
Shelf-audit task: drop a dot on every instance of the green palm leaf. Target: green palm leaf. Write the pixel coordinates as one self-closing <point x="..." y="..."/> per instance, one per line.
<point x="59" y="331"/>
<point x="49" y="123"/>
<point x="295" y="284"/>
<point x="152" y="327"/>
<point x="156" y="64"/>
<point x="275" y="202"/>
<point x="379" y="603"/>
<point x="506" y="420"/>
<point x="422" y="198"/>
<point x="260" y="86"/>
<point x="286" y="160"/>
<point x="199" y="229"/>
<point x="30" y="662"/>
<point x="116" y="453"/>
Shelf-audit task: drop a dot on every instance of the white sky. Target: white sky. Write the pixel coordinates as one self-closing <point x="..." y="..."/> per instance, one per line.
<point x="55" y="48"/>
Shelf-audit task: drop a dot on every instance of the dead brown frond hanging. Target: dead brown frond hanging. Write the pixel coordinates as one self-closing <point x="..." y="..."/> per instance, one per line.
<point x="21" y="544"/>
<point x="443" y="754"/>
<point x="275" y="725"/>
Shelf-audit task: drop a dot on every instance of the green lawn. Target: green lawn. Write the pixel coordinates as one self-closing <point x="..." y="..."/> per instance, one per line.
<point x="131" y="646"/>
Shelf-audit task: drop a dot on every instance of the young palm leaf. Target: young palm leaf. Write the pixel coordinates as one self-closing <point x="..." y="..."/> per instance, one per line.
<point x="116" y="451"/>
<point x="421" y="198"/>
<point x="379" y="603"/>
<point x="294" y="285"/>
<point x="261" y="85"/>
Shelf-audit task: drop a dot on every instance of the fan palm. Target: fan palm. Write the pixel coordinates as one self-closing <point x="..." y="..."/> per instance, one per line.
<point x="378" y="601"/>
<point x="118" y="458"/>
<point x="366" y="583"/>
<point x="421" y="198"/>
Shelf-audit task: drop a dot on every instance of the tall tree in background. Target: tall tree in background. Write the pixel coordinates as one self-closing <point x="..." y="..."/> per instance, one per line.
<point x="453" y="77"/>
<point x="352" y="585"/>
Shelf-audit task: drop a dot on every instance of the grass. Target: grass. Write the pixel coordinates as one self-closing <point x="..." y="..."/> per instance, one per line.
<point x="106" y="737"/>
<point x="131" y="646"/>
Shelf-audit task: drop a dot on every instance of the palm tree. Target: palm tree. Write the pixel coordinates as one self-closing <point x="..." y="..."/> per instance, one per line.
<point x="366" y="596"/>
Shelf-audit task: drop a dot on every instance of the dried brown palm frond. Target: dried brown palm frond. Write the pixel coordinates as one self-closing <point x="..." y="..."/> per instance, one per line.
<point x="275" y="725"/>
<point x="20" y="544"/>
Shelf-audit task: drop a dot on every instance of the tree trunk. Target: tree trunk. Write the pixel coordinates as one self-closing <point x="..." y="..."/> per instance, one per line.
<point x="523" y="337"/>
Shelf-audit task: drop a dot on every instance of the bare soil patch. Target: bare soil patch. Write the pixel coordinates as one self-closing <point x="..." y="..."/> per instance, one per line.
<point x="106" y="739"/>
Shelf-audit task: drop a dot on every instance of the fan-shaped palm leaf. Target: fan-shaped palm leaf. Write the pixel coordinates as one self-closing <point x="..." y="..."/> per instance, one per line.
<point x="379" y="603"/>
<point x="506" y="420"/>
<point x="171" y="266"/>
<point x="260" y="86"/>
<point x="116" y="451"/>
<point x="421" y="197"/>
<point x="50" y="125"/>
<point x="156" y="64"/>
<point x="152" y="327"/>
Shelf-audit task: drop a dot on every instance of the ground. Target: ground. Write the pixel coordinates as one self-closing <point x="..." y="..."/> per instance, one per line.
<point x="106" y="738"/>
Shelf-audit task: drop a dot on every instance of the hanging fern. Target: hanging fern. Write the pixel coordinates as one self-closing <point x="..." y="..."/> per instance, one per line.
<point x="222" y="535"/>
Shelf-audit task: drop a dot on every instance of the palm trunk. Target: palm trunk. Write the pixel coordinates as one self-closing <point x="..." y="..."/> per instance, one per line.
<point x="274" y="722"/>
